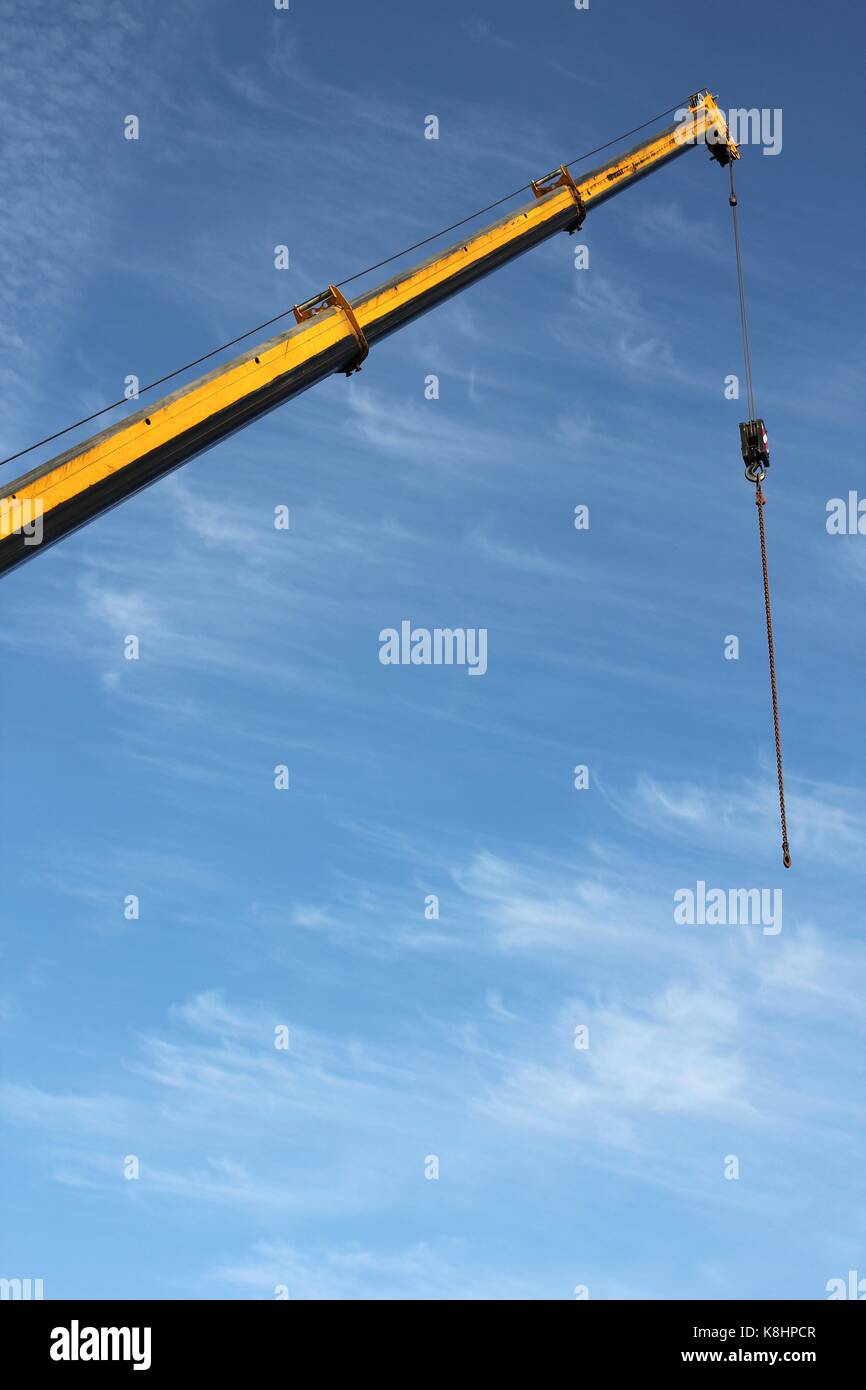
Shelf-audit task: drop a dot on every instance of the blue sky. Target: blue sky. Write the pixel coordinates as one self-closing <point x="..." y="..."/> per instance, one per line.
<point x="305" y="908"/>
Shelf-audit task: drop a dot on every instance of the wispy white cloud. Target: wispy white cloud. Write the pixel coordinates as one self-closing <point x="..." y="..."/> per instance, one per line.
<point x="211" y="1108"/>
<point x="679" y="1055"/>
<point x="669" y="222"/>
<point x="827" y="822"/>
<point x="444" y="1269"/>
<point x="493" y="1000"/>
<point x="51" y="212"/>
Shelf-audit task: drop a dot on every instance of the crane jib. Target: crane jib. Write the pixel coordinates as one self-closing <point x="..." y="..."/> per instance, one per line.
<point x="332" y="334"/>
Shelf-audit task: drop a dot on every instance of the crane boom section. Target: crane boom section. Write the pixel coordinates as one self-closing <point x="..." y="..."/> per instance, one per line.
<point x="331" y="335"/>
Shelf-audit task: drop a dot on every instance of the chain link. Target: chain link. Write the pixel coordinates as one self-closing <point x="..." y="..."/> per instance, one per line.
<point x="759" y="503"/>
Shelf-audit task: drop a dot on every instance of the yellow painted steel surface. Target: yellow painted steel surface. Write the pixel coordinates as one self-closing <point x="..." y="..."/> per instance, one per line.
<point x="86" y="465"/>
<point x="116" y="448"/>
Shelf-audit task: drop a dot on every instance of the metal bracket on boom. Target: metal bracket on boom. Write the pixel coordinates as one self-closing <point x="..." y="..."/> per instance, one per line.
<point x="333" y="298"/>
<point x="561" y="178"/>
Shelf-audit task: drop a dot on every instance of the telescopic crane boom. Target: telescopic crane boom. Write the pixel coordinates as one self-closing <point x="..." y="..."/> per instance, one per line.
<point x="331" y="334"/>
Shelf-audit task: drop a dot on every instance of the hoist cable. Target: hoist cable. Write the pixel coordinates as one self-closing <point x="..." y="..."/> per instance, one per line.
<point x="744" y="322"/>
<point x="160" y="381"/>
<point x="760" y="502"/>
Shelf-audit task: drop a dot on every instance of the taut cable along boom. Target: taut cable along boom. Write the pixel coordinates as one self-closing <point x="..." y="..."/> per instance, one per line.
<point x="332" y="334"/>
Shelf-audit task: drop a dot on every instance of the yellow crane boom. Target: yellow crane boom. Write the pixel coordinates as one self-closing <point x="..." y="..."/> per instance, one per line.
<point x="331" y="334"/>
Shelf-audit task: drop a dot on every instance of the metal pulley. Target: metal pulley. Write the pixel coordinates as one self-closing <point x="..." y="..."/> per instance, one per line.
<point x="755" y="448"/>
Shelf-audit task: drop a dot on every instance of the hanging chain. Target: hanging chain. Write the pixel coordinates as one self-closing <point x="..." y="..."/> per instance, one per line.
<point x="755" y="472"/>
<point x="759" y="503"/>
